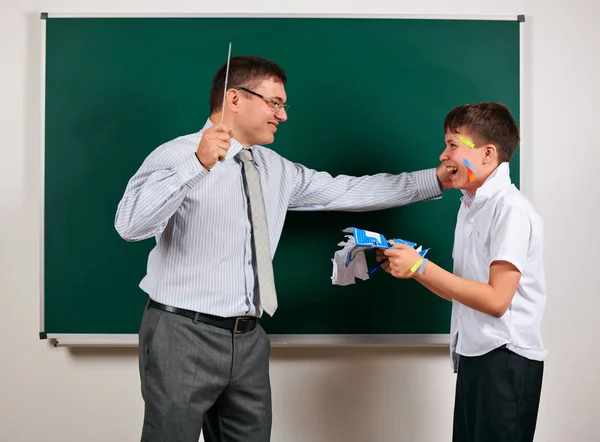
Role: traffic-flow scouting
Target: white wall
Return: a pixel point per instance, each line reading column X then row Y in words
column 354, row 395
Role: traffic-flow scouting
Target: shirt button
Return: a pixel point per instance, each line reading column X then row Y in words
column 249, row 263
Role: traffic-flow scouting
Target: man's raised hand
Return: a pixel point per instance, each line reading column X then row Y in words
column 214, row 145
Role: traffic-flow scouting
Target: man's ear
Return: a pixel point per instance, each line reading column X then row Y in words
column 490, row 153
column 233, row 99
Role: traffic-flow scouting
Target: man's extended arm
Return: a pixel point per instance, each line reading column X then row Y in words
column 320, row 191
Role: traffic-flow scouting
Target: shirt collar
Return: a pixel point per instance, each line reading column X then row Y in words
column 498, row 179
column 234, row 145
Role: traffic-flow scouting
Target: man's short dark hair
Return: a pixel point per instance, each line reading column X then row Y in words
column 487, row 123
column 244, row 71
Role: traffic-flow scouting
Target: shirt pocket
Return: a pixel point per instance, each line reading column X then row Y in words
column 477, row 252
column 481, row 246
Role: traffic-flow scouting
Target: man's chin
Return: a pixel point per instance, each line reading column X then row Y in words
column 268, row 139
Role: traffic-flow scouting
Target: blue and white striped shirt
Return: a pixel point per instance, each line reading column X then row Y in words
column 202, row 260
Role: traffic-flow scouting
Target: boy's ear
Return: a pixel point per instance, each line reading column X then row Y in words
column 490, row 153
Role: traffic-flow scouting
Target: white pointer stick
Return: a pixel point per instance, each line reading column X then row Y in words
column 226, row 77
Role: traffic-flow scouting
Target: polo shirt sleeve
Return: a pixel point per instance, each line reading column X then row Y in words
column 510, row 236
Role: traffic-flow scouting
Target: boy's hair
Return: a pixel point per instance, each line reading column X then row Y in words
column 487, row 123
column 244, row 71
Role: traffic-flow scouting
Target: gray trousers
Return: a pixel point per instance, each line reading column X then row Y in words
column 196, row 376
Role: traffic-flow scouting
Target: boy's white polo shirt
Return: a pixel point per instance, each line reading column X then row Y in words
column 499, row 224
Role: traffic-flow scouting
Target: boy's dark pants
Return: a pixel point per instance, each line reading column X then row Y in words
column 497, row 397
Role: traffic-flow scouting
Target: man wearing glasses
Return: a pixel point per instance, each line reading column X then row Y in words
column 204, row 359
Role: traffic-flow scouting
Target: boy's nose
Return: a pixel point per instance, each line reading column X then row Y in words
column 444, row 156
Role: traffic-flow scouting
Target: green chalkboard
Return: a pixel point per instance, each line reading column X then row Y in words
column 366, row 96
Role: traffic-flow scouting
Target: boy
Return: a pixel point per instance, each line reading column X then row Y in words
column 497, row 290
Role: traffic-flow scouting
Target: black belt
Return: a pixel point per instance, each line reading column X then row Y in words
column 237, row 324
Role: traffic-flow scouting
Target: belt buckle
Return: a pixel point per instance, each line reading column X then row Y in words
column 236, row 323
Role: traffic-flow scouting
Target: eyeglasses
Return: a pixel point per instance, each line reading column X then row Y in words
column 275, row 105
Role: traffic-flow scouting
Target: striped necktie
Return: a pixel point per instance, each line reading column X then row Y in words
column 260, row 234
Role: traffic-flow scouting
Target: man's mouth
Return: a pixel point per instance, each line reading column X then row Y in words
column 273, row 127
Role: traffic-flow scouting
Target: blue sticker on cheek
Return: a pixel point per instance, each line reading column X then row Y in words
column 469, row 165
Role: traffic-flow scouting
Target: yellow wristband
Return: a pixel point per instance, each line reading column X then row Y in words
column 416, row 265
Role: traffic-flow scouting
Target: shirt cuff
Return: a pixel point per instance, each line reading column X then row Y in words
column 191, row 171
column 428, row 185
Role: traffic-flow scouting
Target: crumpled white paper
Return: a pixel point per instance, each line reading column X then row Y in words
column 350, row 262
column 357, row 268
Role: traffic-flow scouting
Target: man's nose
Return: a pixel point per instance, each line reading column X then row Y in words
column 281, row 114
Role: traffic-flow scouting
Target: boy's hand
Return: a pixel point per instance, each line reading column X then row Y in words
column 385, row 265
column 400, row 260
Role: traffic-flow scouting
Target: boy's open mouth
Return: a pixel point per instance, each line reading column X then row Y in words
column 451, row 171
